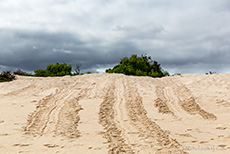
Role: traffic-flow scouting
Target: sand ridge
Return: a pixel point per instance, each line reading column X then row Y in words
column 114, row 113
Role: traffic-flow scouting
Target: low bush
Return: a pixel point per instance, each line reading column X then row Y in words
column 54, row 70
column 40, row 72
column 6, row 76
column 210, row 72
column 139, row 66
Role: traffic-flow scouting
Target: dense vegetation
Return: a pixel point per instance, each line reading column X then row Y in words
column 139, row 66
column 6, row 76
column 55, row 70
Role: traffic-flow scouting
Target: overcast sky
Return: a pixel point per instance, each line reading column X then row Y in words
column 183, row 36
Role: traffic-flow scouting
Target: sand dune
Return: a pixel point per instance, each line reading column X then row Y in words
column 114, row 113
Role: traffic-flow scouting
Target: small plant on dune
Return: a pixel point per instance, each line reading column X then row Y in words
column 210, row 72
column 6, row 76
column 177, row 74
column 78, row 69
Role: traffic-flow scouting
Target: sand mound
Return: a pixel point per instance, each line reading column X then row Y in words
column 113, row 113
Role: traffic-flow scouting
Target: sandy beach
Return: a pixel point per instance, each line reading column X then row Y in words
column 114, row 113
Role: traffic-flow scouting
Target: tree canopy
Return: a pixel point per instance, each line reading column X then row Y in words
column 138, row 66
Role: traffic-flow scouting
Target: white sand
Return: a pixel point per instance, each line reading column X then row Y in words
column 114, row 113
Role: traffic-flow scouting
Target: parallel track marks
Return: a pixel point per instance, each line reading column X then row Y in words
column 113, row 134
column 147, row 128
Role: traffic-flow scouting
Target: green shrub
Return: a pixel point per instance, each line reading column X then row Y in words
column 138, row 66
column 6, row 76
column 40, row 72
column 55, row 70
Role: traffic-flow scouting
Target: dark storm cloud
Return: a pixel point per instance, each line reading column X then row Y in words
column 30, row 50
column 184, row 36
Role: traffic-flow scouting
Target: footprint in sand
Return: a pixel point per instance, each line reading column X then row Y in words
column 21, row 145
column 4, row 134
column 222, row 146
column 189, row 130
column 33, row 101
column 51, row 145
column 221, row 128
column 186, row 135
column 202, row 142
column 96, row 148
column 24, row 152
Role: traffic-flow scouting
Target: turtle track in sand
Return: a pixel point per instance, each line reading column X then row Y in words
column 174, row 94
column 141, row 135
column 113, row 113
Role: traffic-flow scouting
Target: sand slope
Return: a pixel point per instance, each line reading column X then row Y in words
column 114, row 113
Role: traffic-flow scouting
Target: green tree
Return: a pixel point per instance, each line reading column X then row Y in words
column 139, row 66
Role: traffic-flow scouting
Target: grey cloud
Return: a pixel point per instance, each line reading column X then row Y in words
column 140, row 33
column 31, row 50
column 34, row 50
column 184, row 36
